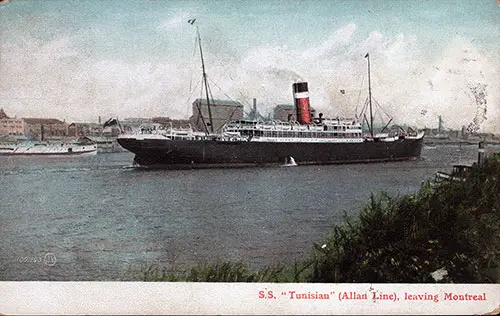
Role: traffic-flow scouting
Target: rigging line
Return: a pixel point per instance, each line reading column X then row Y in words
column 191, row 77
column 342, row 96
column 380, row 117
column 363, row 110
column 244, row 103
column 210, row 93
column 382, row 109
column 365, row 104
column 195, row 45
column 227, row 120
column 376, row 108
column 377, row 113
column 191, row 93
column 220, row 89
column 201, row 90
column 359, row 94
column 245, row 97
column 200, row 114
column 225, row 94
column 379, row 107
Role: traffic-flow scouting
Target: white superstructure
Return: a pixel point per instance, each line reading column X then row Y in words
column 41, row 148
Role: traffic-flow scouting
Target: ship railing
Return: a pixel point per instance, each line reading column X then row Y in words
column 227, row 138
column 228, row 133
column 279, row 126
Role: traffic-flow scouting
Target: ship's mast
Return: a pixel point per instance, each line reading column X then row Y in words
column 205, row 82
column 370, row 95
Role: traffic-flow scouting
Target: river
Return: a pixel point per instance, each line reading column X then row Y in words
column 93, row 218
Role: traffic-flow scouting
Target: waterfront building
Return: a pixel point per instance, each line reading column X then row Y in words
column 135, row 121
column 222, row 111
column 48, row 127
column 85, row 129
column 167, row 121
column 11, row 126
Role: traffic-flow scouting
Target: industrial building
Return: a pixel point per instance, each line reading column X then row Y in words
column 38, row 128
column 222, row 111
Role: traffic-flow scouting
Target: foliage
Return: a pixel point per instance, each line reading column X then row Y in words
column 452, row 226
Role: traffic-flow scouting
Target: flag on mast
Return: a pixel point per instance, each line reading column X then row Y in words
column 367, row 55
column 191, row 21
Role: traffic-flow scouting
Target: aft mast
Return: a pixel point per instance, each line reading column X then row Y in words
column 370, row 95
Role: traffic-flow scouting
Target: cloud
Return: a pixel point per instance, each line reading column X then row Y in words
column 56, row 78
column 176, row 21
column 337, row 40
column 61, row 84
column 454, row 74
column 401, row 72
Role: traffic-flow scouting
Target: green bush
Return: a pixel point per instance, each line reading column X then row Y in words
column 452, row 226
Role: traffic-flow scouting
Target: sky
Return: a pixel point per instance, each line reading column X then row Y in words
column 78, row 60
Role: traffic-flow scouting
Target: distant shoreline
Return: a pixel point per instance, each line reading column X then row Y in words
column 431, row 141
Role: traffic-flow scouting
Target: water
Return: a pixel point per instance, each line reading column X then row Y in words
column 103, row 221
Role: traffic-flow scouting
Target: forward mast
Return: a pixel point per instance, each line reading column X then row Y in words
column 205, row 83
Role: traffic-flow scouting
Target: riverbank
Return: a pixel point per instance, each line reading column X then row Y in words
column 446, row 232
column 447, row 141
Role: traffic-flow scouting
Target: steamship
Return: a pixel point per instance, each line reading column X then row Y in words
column 37, row 148
column 243, row 143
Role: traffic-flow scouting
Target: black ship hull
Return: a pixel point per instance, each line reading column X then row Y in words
column 178, row 154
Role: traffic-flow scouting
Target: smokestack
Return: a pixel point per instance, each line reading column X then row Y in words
column 301, row 99
column 254, row 111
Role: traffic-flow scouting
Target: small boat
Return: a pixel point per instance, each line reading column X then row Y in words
column 290, row 162
column 459, row 173
column 37, row 148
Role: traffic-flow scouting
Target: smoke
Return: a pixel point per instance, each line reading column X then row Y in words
column 57, row 78
column 409, row 84
column 479, row 92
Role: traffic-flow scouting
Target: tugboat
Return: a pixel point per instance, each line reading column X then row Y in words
column 458, row 173
column 259, row 143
